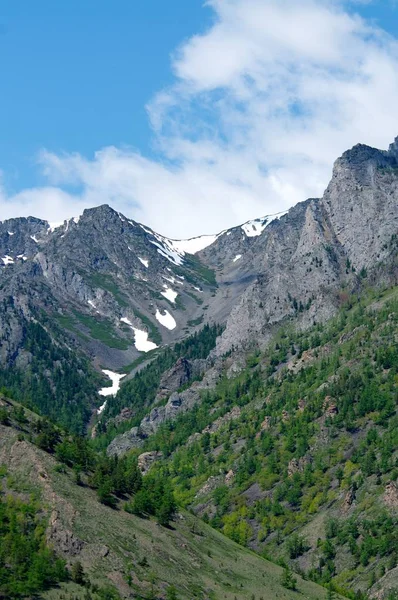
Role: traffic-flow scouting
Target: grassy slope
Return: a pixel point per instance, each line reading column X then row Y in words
column 200, row 562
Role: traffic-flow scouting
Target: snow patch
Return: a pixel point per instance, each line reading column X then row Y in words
column 194, row 245
column 127, row 321
column 172, row 280
column 8, row 260
column 166, row 320
column 34, row 238
column 141, row 341
column 143, row 261
column 169, row 294
column 256, row 227
column 168, row 252
column 91, row 303
column 198, row 289
column 11, row 232
column 237, row 257
column 110, row 391
column 22, row 256
column 174, row 250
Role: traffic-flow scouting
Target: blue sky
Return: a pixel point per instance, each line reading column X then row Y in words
column 76, row 76
column 186, row 116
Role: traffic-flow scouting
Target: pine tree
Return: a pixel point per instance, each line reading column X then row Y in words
column 171, row 593
column 77, row 573
column 288, row 580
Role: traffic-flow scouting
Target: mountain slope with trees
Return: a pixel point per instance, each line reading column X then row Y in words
column 83, row 541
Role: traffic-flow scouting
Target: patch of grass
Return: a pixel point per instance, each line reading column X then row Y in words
column 66, row 321
column 195, row 322
column 102, row 330
column 206, row 274
column 198, row 300
column 107, row 283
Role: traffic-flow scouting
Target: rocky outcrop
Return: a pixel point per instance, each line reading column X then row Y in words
column 229, row 477
column 62, row 539
column 177, row 403
column 390, row 496
column 218, row 423
column 330, row 407
column 265, row 425
column 175, row 378
column 211, row 484
column 125, row 442
column 349, row 500
column 298, row 465
column 146, row 460
column 300, row 260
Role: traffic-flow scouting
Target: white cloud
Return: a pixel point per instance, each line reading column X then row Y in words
column 262, row 104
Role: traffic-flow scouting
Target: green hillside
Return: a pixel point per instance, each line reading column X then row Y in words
column 298, row 456
column 115, row 553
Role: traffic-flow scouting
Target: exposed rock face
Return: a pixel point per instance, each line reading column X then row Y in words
column 104, row 267
column 298, row 465
column 179, row 375
column 62, row 539
column 265, row 425
column 229, row 477
column 301, row 405
column 304, row 254
column 176, row 404
column 349, row 500
column 330, row 407
column 211, row 484
column 146, row 460
column 391, row 495
column 125, row 415
column 123, row 443
column 218, row 423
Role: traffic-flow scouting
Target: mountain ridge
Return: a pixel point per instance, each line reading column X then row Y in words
column 118, row 289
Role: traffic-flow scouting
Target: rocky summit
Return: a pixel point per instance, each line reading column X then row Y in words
column 254, row 371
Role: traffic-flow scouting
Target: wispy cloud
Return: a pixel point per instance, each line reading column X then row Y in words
column 262, row 104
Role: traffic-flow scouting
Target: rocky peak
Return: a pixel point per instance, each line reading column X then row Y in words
column 393, row 149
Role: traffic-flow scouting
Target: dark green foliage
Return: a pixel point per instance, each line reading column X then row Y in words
column 296, row 546
column 154, row 498
column 288, row 580
column 27, row 565
column 104, row 493
column 115, row 477
column 171, row 593
column 58, row 383
column 77, row 573
column 4, row 419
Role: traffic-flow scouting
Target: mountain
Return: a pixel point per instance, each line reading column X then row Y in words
column 254, row 370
